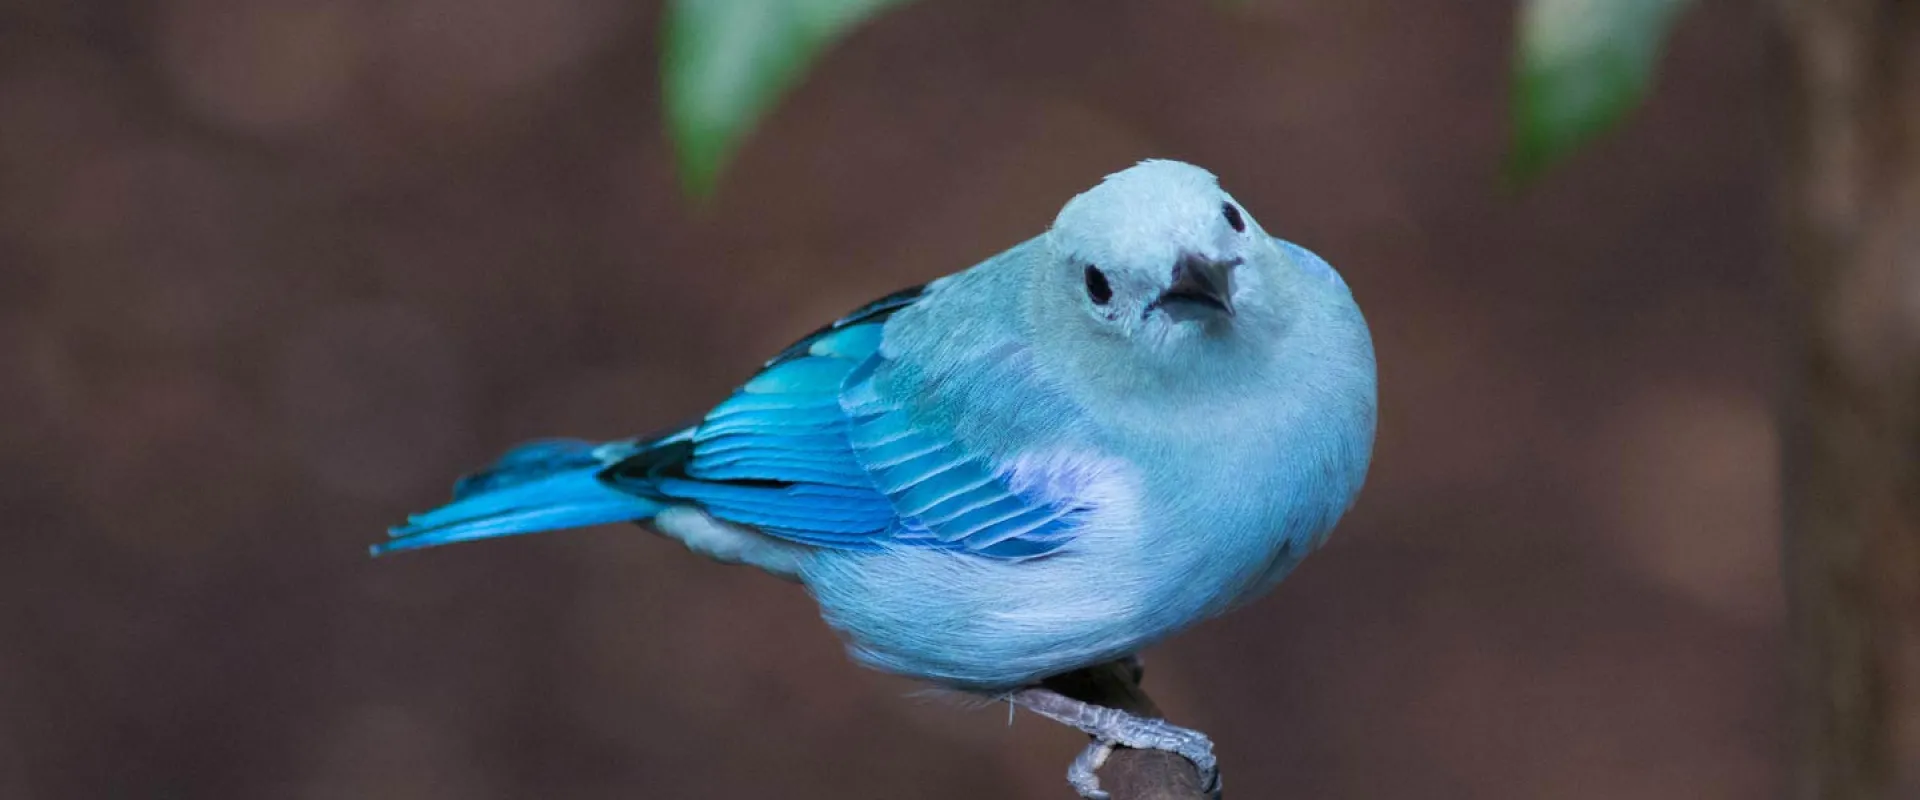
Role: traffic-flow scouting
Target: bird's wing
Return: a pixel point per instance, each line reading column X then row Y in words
column 814, row 450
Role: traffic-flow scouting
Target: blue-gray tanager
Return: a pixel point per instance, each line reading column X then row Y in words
column 1138, row 420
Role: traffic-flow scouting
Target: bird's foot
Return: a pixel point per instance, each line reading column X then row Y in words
column 1110, row 728
column 1083, row 773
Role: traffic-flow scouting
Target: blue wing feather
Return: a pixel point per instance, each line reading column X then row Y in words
column 807, row 375
column 747, row 404
column 812, row 450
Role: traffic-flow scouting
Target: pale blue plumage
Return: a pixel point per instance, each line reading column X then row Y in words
column 1089, row 442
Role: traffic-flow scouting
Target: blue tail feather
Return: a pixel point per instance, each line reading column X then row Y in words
column 529, row 461
column 539, row 486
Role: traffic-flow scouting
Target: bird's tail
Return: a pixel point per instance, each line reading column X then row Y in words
column 539, row 486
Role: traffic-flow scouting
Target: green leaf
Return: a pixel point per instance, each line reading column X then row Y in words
column 728, row 61
column 1583, row 64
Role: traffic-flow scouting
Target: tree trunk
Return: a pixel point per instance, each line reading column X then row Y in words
column 1851, row 144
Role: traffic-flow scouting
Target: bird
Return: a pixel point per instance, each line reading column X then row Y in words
column 1142, row 418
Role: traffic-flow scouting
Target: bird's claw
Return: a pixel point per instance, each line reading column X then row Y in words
column 1146, row 733
column 1112, row 728
column 1083, row 772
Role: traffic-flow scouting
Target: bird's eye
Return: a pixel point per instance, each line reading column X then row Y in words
column 1097, row 288
column 1233, row 217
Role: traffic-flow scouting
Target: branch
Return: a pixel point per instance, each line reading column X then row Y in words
column 1130, row 774
column 1851, row 126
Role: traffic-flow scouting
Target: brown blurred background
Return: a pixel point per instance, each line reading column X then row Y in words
column 273, row 272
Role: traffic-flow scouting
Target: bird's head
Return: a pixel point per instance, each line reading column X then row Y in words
column 1157, row 274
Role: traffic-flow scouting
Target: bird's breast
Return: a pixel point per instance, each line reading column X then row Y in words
column 1236, row 513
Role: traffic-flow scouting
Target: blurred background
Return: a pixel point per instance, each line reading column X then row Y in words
column 273, row 272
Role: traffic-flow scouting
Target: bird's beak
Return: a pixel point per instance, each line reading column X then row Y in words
column 1201, row 286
